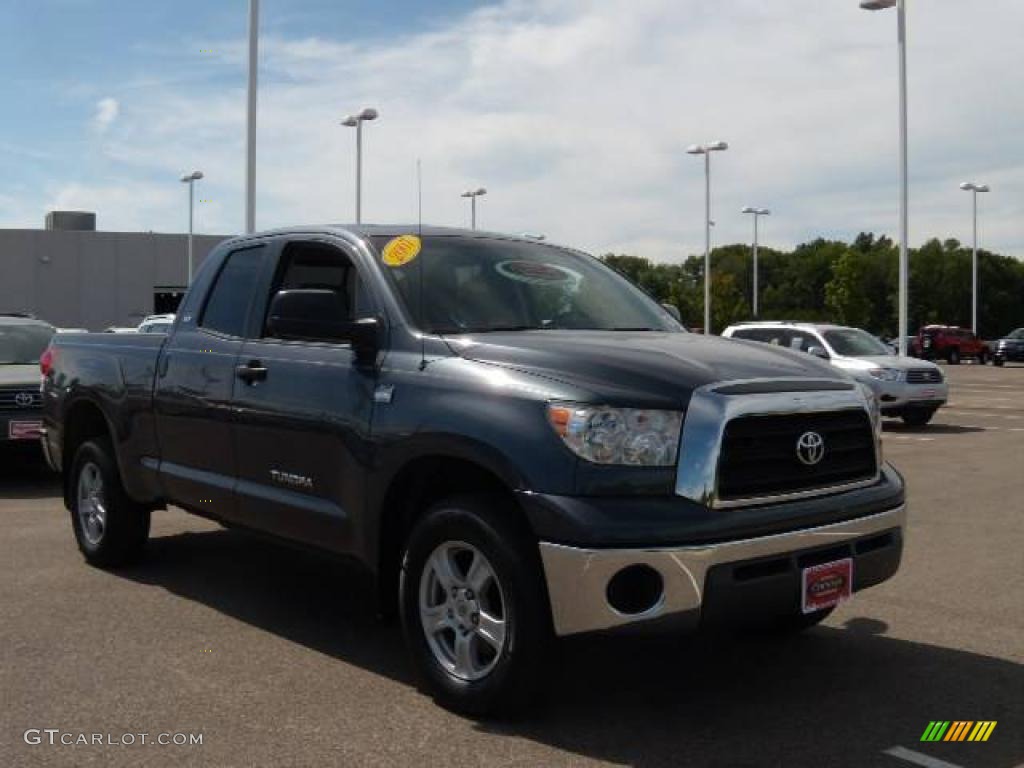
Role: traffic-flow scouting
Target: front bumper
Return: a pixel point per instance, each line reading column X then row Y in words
column 1010, row 353
column 703, row 581
column 895, row 396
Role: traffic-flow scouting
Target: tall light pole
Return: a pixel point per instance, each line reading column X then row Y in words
column 250, row 119
column 356, row 121
column 706, row 150
column 974, row 189
column 757, row 212
column 901, row 40
column 191, row 179
column 473, row 194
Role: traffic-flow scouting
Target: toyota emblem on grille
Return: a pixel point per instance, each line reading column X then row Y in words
column 24, row 399
column 810, row 448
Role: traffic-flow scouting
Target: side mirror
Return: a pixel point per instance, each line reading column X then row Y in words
column 673, row 310
column 313, row 314
column 818, row 352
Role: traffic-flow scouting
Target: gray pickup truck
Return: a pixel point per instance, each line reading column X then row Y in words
column 515, row 441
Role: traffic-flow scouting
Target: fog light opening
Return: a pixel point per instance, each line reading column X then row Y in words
column 635, row 589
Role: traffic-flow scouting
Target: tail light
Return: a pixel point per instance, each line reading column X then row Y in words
column 46, row 361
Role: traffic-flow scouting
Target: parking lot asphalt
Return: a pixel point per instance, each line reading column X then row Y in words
column 275, row 656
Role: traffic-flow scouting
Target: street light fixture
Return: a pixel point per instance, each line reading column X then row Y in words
column 190, row 179
column 706, row 150
column 901, row 39
column 974, row 189
column 473, row 194
column 758, row 213
column 356, row 121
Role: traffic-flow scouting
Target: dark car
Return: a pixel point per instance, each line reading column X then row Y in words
column 950, row 343
column 22, row 341
column 515, row 441
column 1010, row 348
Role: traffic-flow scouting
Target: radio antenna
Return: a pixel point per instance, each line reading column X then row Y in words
column 419, row 233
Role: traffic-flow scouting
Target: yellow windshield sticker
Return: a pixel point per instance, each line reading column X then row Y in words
column 401, row 250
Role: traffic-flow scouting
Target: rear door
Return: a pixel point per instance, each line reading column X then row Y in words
column 195, row 381
column 302, row 426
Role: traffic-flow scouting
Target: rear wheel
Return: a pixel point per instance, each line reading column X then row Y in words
column 474, row 608
column 998, row 362
column 983, row 357
column 917, row 418
column 953, row 356
column 109, row 527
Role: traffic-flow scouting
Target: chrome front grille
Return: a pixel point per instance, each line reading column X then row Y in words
column 924, row 376
column 20, row 399
column 760, row 456
column 741, row 441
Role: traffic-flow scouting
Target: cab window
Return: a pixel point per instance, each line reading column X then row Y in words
column 227, row 306
column 313, row 265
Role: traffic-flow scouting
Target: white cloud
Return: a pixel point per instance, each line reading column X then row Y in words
column 575, row 116
column 106, row 113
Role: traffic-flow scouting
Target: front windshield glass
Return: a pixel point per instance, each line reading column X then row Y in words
column 474, row 285
column 23, row 344
column 1018, row 334
column 852, row 342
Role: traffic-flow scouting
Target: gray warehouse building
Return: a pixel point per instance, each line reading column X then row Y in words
column 75, row 277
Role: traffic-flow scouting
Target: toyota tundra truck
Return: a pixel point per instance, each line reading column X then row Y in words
column 516, row 442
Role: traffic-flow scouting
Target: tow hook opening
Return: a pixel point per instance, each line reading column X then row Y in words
column 635, row 589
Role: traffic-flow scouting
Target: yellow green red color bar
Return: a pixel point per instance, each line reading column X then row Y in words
column 958, row 730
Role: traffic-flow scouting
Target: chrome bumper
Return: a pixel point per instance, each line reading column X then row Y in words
column 577, row 579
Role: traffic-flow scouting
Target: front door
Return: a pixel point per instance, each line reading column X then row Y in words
column 195, row 382
column 302, row 426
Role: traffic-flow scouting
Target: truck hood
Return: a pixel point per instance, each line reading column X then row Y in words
column 625, row 366
column 20, row 375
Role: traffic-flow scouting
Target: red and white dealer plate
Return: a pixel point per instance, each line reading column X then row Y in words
column 825, row 585
column 24, row 430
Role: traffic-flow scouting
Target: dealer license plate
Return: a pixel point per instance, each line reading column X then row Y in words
column 823, row 586
column 24, row 430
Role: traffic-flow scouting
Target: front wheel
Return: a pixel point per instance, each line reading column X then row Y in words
column 109, row 527
column 997, row 362
column 953, row 357
column 983, row 357
column 474, row 608
column 917, row 418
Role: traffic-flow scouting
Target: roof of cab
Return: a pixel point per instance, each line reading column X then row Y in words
column 366, row 231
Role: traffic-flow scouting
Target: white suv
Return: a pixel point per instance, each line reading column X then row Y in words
column 906, row 387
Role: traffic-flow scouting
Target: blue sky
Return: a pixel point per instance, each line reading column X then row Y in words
column 573, row 113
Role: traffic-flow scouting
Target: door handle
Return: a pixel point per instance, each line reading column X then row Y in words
column 251, row 372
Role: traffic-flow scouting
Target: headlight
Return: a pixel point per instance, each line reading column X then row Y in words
column 628, row 436
column 885, row 374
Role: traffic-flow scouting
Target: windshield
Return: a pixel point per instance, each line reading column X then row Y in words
column 1018, row 334
column 484, row 284
column 852, row 342
column 23, row 344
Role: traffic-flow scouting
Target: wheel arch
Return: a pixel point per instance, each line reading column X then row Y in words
column 420, row 481
column 84, row 420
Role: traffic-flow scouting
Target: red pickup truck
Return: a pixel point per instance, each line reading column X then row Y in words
column 950, row 343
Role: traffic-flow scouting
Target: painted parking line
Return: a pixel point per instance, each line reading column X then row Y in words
column 918, row 758
column 909, row 438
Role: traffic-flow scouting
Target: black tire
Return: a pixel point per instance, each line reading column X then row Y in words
column 917, row 418
column 493, row 529
column 121, row 539
column 998, row 362
column 953, row 356
column 983, row 358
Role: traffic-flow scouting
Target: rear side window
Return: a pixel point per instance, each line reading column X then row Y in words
column 228, row 304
